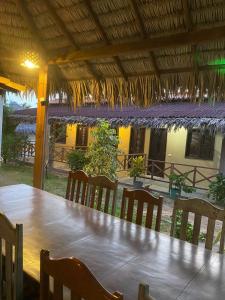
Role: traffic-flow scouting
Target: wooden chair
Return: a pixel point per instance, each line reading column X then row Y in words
column 73, row 274
column 11, row 260
column 142, row 197
column 143, row 292
column 199, row 208
column 77, row 186
column 100, row 185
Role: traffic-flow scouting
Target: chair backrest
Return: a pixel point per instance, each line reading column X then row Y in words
column 142, row 201
column 143, row 292
column 73, row 274
column 11, row 269
column 77, row 186
column 103, row 193
column 199, row 208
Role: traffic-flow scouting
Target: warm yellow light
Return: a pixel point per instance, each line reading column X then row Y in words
column 29, row 64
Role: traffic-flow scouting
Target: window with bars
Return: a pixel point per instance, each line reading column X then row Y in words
column 200, row 144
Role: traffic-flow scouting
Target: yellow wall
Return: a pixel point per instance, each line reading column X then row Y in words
column 176, row 145
column 175, row 152
column 71, row 131
column 147, row 140
column 175, row 149
column 124, row 139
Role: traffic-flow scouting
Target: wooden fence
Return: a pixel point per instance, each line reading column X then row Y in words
column 196, row 176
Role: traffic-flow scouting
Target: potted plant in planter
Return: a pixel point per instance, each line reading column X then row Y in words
column 217, row 189
column 177, row 185
column 137, row 168
column 76, row 160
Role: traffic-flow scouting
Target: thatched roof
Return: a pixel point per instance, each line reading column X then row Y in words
column 172, row 115
column 119, row 49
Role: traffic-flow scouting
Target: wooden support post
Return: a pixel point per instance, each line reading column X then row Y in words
column 1, row 121
column 41, row 129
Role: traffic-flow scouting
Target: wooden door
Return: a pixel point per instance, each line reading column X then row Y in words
column 157, row 151
column 137, row 140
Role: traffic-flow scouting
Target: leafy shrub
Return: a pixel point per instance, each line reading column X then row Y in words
column 102, row 153
column 12, row 143
column 190, row 228
column 76, row 160
column 137, row 166
column 179, row 182
column 12, row 146
column 217, row 189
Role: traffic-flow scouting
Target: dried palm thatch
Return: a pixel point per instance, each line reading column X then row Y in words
column 151, row 74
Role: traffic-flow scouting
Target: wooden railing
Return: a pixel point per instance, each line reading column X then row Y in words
column 28, row 150
column 196, row 176
column 125, row 160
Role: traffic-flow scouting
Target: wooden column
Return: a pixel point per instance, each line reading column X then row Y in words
column 41, row 129
column 1, row 120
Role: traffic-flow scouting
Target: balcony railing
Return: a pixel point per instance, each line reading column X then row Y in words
column 196, row 176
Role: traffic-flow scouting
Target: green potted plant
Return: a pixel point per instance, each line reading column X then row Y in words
column 217, row 189
column 137, row 168
column 177, row 185
column 76, row 160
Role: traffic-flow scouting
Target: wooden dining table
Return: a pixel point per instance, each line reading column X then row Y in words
column 119, row 253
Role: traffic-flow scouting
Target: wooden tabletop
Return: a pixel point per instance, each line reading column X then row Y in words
column 119, row 253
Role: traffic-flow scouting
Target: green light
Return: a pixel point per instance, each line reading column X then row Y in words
column 219, row 64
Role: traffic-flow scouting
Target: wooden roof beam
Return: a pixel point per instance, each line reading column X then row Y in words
column 142, row 30
column 12, row 85
column 58, row 21
column 170, row 71
column 170, row 41
column 189, row 27
column 104, row 36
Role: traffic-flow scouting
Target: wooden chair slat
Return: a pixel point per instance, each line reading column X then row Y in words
column 8, row 270
column 99, row 199
column 58, row 290
column 78, row 191
column 107, row 198
column 84, row 193
column 72, row 190
column 75, row 180
column 11, row 281
column 159, row 214
column 68, row 186
column 222, row 239
column 140, row 208
column 73, row 274
column 1, row 268
column 130, row 209
column 149, row 215
column 142, row 197
column 196, row 229
column 18, row 263
column 92, row 193
column 209, row 234
column 200, row 208
column 143, row 292
column 183, row 229
column 100, row 186
column 74, row 296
